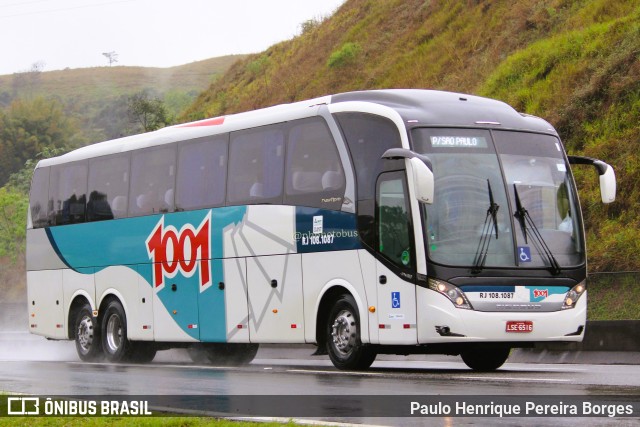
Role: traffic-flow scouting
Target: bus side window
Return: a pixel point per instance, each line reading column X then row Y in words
column 108, row 188
column 314, row 173
column 68, row 193
column 202, row 173
column 152, row 181
column 256, row 166
column 368, row 136
column 38, row 197
column 393, row 220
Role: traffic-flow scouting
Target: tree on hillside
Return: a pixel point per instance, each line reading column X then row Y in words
column 147, row 111
column 20, row 181
column 111, row 57
column 111, row 119
column 27, row 128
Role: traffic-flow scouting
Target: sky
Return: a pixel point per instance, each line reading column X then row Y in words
column 59, row 34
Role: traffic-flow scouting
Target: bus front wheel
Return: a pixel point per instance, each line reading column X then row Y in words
column 87, row 335
column 345, row 349
column 485, row 358
column 115, row 343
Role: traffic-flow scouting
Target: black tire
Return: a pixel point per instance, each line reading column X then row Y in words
column 485, row 358
column 223, row 354
column 87, row 335
column 115, row 344
column 344, row 346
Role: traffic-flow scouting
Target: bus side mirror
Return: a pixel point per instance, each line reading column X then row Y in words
column 608, row 185
column 420, row 172
column 607, row 176
column 423, row 181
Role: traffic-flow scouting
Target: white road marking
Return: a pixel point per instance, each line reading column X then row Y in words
column 551, row 380
column 310, row 371
column 476, row 378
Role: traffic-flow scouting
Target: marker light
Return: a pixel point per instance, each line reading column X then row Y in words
column 453, row 293
column 573, row 296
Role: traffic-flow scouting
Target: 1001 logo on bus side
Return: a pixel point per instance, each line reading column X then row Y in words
column 183, row 251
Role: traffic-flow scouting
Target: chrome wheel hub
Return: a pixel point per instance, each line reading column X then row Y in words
column 84, row 334
column 114, row 334
column 344, row 332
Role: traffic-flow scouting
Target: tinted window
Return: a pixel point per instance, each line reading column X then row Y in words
column 368, row 137
column 314, row 173
column 68, row 193
column 256, row 166
column 108, row 188
column 394, row 232
column 152, row 181
column 202, row 170
column 38, row 197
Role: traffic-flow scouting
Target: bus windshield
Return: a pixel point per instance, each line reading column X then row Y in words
column 502, row 199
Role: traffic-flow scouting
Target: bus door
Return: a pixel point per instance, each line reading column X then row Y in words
column 395, row 264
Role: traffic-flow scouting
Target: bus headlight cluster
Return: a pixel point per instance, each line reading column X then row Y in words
column 455, row 295
column 573, row 295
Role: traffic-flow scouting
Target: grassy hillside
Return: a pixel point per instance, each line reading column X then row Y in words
column 575, row 63
column 108, row 82
column 97, row 98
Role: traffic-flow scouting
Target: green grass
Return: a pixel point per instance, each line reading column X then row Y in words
column 613, row 296
column 173, row 421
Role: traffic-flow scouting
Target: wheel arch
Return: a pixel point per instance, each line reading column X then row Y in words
column 78, row 300
column 329, row 295
column 111, row 295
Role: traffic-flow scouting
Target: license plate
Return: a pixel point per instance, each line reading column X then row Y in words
column 495, row 295
column 522, row 326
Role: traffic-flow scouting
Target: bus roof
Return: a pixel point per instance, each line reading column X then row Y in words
column 417, row 107
column 420, row 107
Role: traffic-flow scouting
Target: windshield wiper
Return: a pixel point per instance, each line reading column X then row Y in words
column 525, row 219
column 490, row 224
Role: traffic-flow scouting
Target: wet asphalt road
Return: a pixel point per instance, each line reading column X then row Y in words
column 34, row 366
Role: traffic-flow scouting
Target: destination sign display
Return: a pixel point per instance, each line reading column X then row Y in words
column 458, row 141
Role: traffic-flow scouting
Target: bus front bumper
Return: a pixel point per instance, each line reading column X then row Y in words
column 439, row 321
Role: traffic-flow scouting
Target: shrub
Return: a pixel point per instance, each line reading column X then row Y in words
column 346, row 55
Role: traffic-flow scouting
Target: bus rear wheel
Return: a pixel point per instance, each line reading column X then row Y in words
column 223, row 354
column 344, row 346
column 485, row 358
column 87, row 335
column 115, row 343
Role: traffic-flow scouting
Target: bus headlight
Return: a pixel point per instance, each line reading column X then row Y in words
column 573, row 296
column 455, row 295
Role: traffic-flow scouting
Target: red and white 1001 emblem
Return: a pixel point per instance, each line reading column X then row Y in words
column 183, row 251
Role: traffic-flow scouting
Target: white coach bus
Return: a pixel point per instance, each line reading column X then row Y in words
column 374, row 222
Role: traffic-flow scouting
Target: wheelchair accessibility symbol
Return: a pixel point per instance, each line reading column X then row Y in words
column 524, row 253
column 395, row 299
